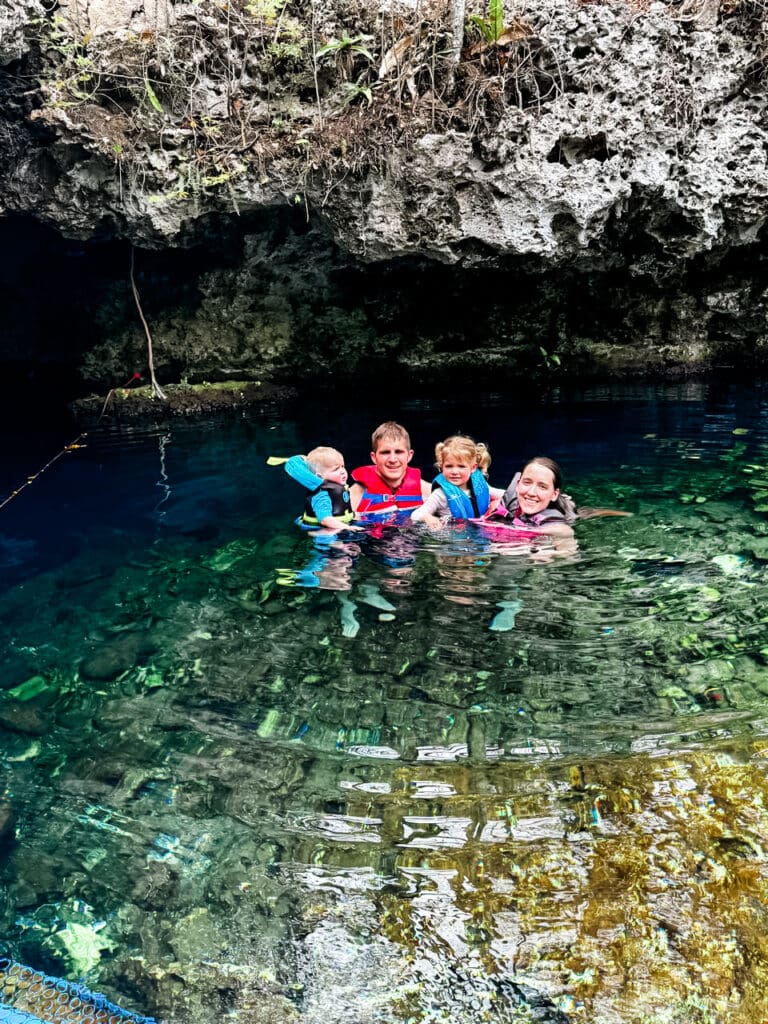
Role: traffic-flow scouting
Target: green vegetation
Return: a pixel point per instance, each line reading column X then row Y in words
column 491, row 27
column 264, row 94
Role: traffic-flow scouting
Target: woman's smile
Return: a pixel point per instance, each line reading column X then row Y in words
column 536, row 488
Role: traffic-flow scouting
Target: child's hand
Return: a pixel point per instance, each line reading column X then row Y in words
column 433, row 522
column 332, row 523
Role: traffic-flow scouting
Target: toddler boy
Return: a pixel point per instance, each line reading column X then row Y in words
column 328, row 504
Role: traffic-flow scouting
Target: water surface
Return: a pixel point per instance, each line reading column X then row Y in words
column 216, row 802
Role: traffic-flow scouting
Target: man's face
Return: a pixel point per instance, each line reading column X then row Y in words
column 391, row 460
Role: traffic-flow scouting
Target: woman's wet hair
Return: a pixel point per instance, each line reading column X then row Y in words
column 551, row 465
column 460, row 446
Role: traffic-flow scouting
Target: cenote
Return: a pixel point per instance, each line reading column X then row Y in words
column 218, row 806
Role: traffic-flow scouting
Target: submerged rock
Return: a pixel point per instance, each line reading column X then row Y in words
column 207, row 990
column 116, row 656
column 30, row 721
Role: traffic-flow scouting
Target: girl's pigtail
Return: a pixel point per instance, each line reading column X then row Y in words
column 482, row 457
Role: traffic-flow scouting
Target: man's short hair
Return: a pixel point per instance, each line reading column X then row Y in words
column 390, row 431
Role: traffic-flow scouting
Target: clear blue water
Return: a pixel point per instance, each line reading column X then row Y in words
column 210, row 782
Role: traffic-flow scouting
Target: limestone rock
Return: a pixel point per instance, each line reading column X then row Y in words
column 14, row 17
column 605, row 147
column 614, row 118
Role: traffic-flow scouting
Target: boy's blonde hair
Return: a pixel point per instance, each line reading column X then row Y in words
column 459, row 446
column 389, row 431
column 323, row 457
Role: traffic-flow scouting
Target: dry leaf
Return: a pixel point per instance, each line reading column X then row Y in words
column 393, row 57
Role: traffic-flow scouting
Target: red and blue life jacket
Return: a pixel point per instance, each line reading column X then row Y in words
column 378, row 496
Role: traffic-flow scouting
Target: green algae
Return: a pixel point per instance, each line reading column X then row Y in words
column 29, row 689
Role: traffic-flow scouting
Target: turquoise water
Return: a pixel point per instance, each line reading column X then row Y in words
column 217, row 803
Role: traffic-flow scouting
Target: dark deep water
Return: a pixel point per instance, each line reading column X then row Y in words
column 220, row 801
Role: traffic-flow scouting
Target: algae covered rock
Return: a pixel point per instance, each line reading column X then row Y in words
column 118, row 655
column 197, row 991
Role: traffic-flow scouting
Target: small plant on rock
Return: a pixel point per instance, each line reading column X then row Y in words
column 492, row 27
column 345, row 50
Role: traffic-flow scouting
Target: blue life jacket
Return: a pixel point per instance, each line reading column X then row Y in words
column 462, row 505
column 337, row 500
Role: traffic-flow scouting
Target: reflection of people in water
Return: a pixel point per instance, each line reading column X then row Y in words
column 327, row 511
column 534, row 506
column 329, row 566
column 531, row 518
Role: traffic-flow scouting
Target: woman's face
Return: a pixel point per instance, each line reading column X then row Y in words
column 536, row 488
column 456, row 470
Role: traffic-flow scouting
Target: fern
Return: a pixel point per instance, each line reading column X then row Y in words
column 496, row 18
column 492, row 27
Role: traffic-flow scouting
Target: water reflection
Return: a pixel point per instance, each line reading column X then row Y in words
column 218, row 803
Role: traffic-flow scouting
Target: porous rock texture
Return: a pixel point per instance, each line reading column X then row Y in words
column 14, row 17
column 615, row 148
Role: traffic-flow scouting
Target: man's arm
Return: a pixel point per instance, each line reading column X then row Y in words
column 356, row 492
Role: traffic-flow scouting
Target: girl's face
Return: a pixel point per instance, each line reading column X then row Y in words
column 536, row 488
column 457, row 470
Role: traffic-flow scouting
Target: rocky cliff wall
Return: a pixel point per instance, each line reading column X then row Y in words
column 592, row 177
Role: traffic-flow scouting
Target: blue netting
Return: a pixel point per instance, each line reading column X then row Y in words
column 30, row 997
column 9, row 1016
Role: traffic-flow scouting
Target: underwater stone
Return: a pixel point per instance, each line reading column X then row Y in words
column 717, row 511
column 197, row 935
column 35, row 877
column 206, row 990
column 158, row 887
column 23, row 719
column 730, row 564
column 82, row 945
column 117, row 656
column 701, row 676
column 749, row 671
column 577, row 694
